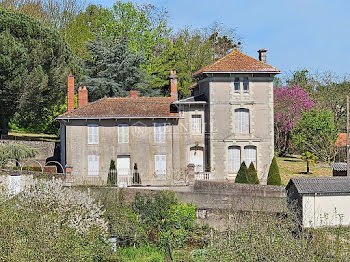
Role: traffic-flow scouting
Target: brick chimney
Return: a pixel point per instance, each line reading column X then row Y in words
column 70, row 93
column 262, row 55
column 173, row 84
column 134, row 94
column 82, row 96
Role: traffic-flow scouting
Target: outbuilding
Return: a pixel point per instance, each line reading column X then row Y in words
column 339, row 169
column 320, row 201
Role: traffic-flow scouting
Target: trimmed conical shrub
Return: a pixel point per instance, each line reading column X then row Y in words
column 252, row 175
column 136, row 176
column 274, row 177
column 112, row 174
column 242, row 175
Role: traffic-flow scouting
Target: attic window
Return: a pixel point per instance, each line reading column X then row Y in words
column 237, row 85
column 245, row 85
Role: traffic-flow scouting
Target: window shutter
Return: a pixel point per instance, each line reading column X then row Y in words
column 93, row 134
column 245, row 121
column 250, row 155
column 160, row 164
column 234, row 159
column 159, row 132
column 123, row 133
column 93, row 165
column 242, row 125
column 196, row 123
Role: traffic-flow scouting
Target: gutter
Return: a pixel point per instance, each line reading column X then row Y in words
column 116, row 117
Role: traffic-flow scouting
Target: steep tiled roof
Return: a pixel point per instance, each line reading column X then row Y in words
column 341, row 140
column 321, row 185
column 236, row 61
column 124, row 107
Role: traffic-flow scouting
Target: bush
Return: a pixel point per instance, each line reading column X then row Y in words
column 274, row 177
column 112, row 175
column 47, row 220
column 252, row 175
column 242, row 175
column 136, row 176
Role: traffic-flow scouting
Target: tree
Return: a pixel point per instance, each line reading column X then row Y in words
column 310, row 159
column 289, row 103
column 114, row 70
column 242, row 175
column 316, row 133
column 16, row 151
column 273, row 177
column 33, row 67
column 112, row 175
column 252, row 176
column 136, row 179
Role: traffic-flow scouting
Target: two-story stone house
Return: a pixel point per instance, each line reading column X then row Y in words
column 227, row 120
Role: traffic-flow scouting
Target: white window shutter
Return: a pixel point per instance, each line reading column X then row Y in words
column 242, row 123
column 123, row 133
column 93, row 165
column 245, row 121
column 93, row 136
column 160, row 164
column 250, row 155
column 196, row 124
column 159, row 132
column 234, row 159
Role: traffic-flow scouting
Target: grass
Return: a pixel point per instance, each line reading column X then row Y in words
column 294, row 167
column 146, row 253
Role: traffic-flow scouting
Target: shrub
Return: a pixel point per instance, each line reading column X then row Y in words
column 274, row 177
column 252, row 175
column 242, row 175
column 47, row 220
column 112, row 175
column 136, row 176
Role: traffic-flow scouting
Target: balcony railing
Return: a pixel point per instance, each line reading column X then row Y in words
column 203, row 176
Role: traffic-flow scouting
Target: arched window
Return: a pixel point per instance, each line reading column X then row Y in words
column 234, row 159
column 250, row 155
column 242, row 125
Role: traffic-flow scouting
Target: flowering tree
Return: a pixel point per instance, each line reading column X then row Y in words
column 289, row 103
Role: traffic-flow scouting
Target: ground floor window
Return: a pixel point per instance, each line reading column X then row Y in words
column 160, row 164
column 234, row 159
column 250, row 155
column 196, row 158
column 93, row 165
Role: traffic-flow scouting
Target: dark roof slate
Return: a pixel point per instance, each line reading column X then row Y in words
column 339, row 166
column 321, row 185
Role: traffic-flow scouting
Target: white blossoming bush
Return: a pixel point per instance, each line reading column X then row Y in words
column 50, row 222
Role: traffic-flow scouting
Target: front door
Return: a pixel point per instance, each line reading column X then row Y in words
column 196, row 158
column 123, row 170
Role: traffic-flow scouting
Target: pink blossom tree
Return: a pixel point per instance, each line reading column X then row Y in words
column 289, row 103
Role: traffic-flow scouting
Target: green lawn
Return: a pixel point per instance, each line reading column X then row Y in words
column 294, row 167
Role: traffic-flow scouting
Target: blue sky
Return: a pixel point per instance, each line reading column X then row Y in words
column 312, row 34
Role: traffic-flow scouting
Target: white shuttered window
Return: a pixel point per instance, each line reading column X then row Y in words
column 93, row 165
column 159, row 132
column 160, row 164
column 92, row 134
column 234, row 159
column 123, row 133
column 242, row 125
column 196, row 124
column 250, row 155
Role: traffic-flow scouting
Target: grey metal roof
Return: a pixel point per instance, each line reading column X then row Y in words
column 339, row 166
column 200, row 99
column 321, row 185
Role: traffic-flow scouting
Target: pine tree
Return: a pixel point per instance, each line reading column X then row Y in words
column 274, row 177
column 242, row 175
column 112, row 175
column 252, row 175
column 114, row 70
column 136, row 179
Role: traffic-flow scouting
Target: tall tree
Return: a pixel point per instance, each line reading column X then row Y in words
column 34, row 62
column 289, row 103
column 114, row 70
column 316, row 133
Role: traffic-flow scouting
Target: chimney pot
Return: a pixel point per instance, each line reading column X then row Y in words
column 134, row 94
column 70, row 93
column 262, row 55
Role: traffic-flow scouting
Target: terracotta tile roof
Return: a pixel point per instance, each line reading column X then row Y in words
column 341, row 140
column 124, row 107
column 237, row 61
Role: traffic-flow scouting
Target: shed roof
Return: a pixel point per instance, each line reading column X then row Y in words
column 236, row 61
column 321, row 185
column 341, row 166
column 124, row 107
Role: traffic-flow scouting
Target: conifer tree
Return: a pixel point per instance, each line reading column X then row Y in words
column 274, row 177
column 242, row 175
column 252, row 175
column 112, row 175
column 136, row 176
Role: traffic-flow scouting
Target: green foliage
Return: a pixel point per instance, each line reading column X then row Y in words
column 166, row 221
column 33, row 67
column 112, row 175
column 136, row 179
column 273, row 177
column 114, row 70
column 144, row 253
column 242, row 175
column 252, row 176
column 316, row 133
column 16, row 151
column 310, row 159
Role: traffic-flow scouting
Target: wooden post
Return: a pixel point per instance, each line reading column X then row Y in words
column 347, row 137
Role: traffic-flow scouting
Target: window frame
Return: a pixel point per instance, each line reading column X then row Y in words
column 236, row 82
column 159, row 138
column 239, row 127
column 158, row 171
column 245, row 83
column 230, row 163
column 93, row 172
column 255, row 157
column 199, row 129
column 121, row 133
column 93, row 139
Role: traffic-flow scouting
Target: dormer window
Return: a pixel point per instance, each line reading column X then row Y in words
column 237, row 86
column 245, row 85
